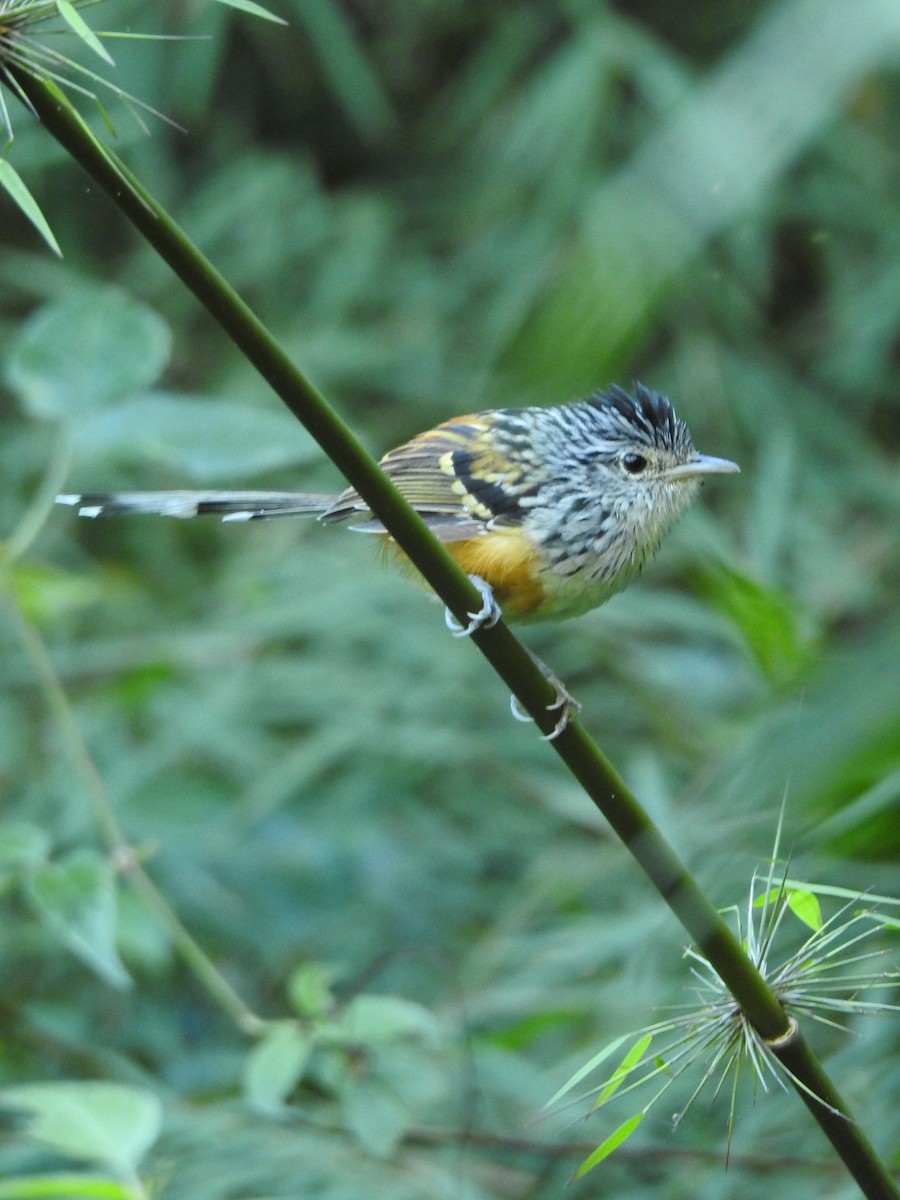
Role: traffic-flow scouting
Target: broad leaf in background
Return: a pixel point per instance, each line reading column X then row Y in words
column 76, row 897
column 92, row 347
column 45, row 594
column 773, row 627
column 375, row 1020
column 208, row 440
column 375, row 1114
column 102, row 1123
column 275, row 1066
column 22, row 846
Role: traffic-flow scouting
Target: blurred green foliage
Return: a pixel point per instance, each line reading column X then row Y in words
column 440, row 207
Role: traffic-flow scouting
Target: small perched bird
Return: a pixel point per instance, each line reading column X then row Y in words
column 550, row 510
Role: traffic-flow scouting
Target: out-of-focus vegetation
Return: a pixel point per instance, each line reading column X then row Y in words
column 440, row 207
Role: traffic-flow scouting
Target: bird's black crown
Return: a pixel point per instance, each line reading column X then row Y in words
column 650, row 412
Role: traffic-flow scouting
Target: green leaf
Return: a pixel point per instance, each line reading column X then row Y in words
column 93, row 346
column 206, row 439
column 376, row 1020
column 47, row 593
column 355, row 81
column 375, row 1115
column 22, row 845
column 309, row 990
column 803, row 904
column 800, row 900
column 842, row 893
column 625, row 1067
column 775, row 630
column 615, row 1139
column 104, row 1123
column 76, row 898
column 276, row 1065
column 79, row 26
column 255, row 10
column 13, row 185
column 67, row 1187
column 588, row 1067
column 772, row 896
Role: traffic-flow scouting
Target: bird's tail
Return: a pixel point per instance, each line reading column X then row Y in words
column 231, row 506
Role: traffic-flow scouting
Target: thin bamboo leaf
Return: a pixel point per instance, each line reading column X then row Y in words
column 827, row 889
column 66, row 1187
column 255, row 10
column 80, row 27
column 588, row 1067
column 625, row 1067
column 12, row 183
column 615, row 1139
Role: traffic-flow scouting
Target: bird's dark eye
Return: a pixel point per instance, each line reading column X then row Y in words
column 634, row 463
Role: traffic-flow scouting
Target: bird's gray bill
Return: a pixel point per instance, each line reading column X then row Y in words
column 703, row 464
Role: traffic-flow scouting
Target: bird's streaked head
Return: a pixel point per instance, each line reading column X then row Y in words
column 620, row 468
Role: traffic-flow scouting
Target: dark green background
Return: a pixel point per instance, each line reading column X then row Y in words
column 440, row 207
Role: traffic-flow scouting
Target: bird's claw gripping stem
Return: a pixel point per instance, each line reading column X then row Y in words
column 487, row 615
column 565, row 701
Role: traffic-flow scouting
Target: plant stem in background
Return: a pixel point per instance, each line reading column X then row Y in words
column 123, row 855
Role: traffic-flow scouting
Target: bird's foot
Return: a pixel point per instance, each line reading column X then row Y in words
column 487, row 615
column 569, row 707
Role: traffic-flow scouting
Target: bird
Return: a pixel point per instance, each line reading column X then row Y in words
column 549, row 510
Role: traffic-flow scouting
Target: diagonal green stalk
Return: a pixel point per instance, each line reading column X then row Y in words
column 505, row 653
column 122, row 854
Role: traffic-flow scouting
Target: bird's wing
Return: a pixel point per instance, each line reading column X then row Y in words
column 455, row 477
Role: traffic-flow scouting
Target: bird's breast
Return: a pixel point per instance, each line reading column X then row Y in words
column 512, row 565
column 529, row 585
